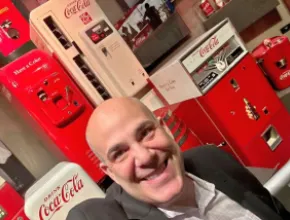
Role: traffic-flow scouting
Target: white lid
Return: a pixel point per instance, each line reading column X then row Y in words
column 57, row 192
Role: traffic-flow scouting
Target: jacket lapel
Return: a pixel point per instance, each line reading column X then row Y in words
column 133, row 208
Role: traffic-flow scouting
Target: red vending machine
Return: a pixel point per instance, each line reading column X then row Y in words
column 39, row 86
column 14, row 32
column 11, row 203
column 273, row 56
column 218, row 83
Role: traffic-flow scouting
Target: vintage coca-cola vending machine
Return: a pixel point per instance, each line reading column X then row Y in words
column 217, row 83
column 36, row 84
column 11, row 203
column 80, row 35
column 57, row 192
column 273, row 57
column 14, row 32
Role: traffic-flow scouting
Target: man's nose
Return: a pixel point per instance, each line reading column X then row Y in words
column 144, row 157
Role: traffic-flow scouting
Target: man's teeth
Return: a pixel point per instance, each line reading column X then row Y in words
column 157, row 173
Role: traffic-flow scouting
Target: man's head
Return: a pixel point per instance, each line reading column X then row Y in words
column 136, row 150
column 147, row 6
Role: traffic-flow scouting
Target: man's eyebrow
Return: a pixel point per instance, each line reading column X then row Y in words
column 113, row 149
column 143, row 125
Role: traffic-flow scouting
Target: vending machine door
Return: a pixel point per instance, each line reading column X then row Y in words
column 108, row 48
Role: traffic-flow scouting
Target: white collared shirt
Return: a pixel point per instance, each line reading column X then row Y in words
column 211, row 205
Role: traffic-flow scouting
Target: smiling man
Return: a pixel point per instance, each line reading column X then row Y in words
column 154, row 181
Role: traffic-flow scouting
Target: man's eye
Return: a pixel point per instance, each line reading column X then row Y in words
column 118, row 154
column 146, row 132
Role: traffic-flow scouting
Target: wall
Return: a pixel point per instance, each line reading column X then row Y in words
column 131, row 3
column 112, row 9
column 275, row 29
column 188, row 10
column 23, row 142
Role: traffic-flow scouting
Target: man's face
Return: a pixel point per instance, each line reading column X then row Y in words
column 141, row 156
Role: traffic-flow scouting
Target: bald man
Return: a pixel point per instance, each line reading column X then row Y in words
column 154, row 181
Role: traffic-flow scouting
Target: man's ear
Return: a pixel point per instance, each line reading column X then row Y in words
column 104, row 167
column 165, row 127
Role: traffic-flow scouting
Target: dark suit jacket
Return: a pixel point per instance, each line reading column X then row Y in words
column 208, row 163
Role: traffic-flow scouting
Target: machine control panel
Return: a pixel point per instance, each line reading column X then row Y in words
column 3, row 213
column 217, row 65
column 57, row 100
column 99, row 32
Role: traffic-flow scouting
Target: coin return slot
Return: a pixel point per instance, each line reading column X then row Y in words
column 282, row 64
column 266, row 111
column 234, row 84
column 60, row 36
column 60, row 102
column 80, row 62
column 272, row 138
column 13, row 33
column 42, row 95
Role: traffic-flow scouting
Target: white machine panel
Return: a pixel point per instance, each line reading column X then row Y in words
column 203, row 63
column 57, row 192
column 89, row 47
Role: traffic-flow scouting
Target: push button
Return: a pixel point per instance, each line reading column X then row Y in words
column 95, row 37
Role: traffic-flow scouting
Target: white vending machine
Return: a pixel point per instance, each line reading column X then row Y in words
column 82, row 38
column 58, row 191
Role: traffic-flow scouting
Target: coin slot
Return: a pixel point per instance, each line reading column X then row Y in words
column 272, row 138
column 234, row 84
column 76, row 103
column 265, row 110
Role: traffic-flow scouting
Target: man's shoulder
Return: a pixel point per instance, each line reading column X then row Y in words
column 203, row 153
column 211, row 157
column 98, row 208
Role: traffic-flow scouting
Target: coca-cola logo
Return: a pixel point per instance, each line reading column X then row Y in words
column 140, row 40
column 59, row 197
column 285, row 75
column 212, row 43
column 75, row 7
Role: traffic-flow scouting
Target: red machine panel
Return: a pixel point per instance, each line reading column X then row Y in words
column 228, row 104
column 43, row 88
column 273, row 56
column 183, row 135
column 11, row 203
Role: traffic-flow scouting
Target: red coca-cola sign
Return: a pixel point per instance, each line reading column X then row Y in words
column 59, row 197
column 206, row 8
column 75, row 7
column 212, row 43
